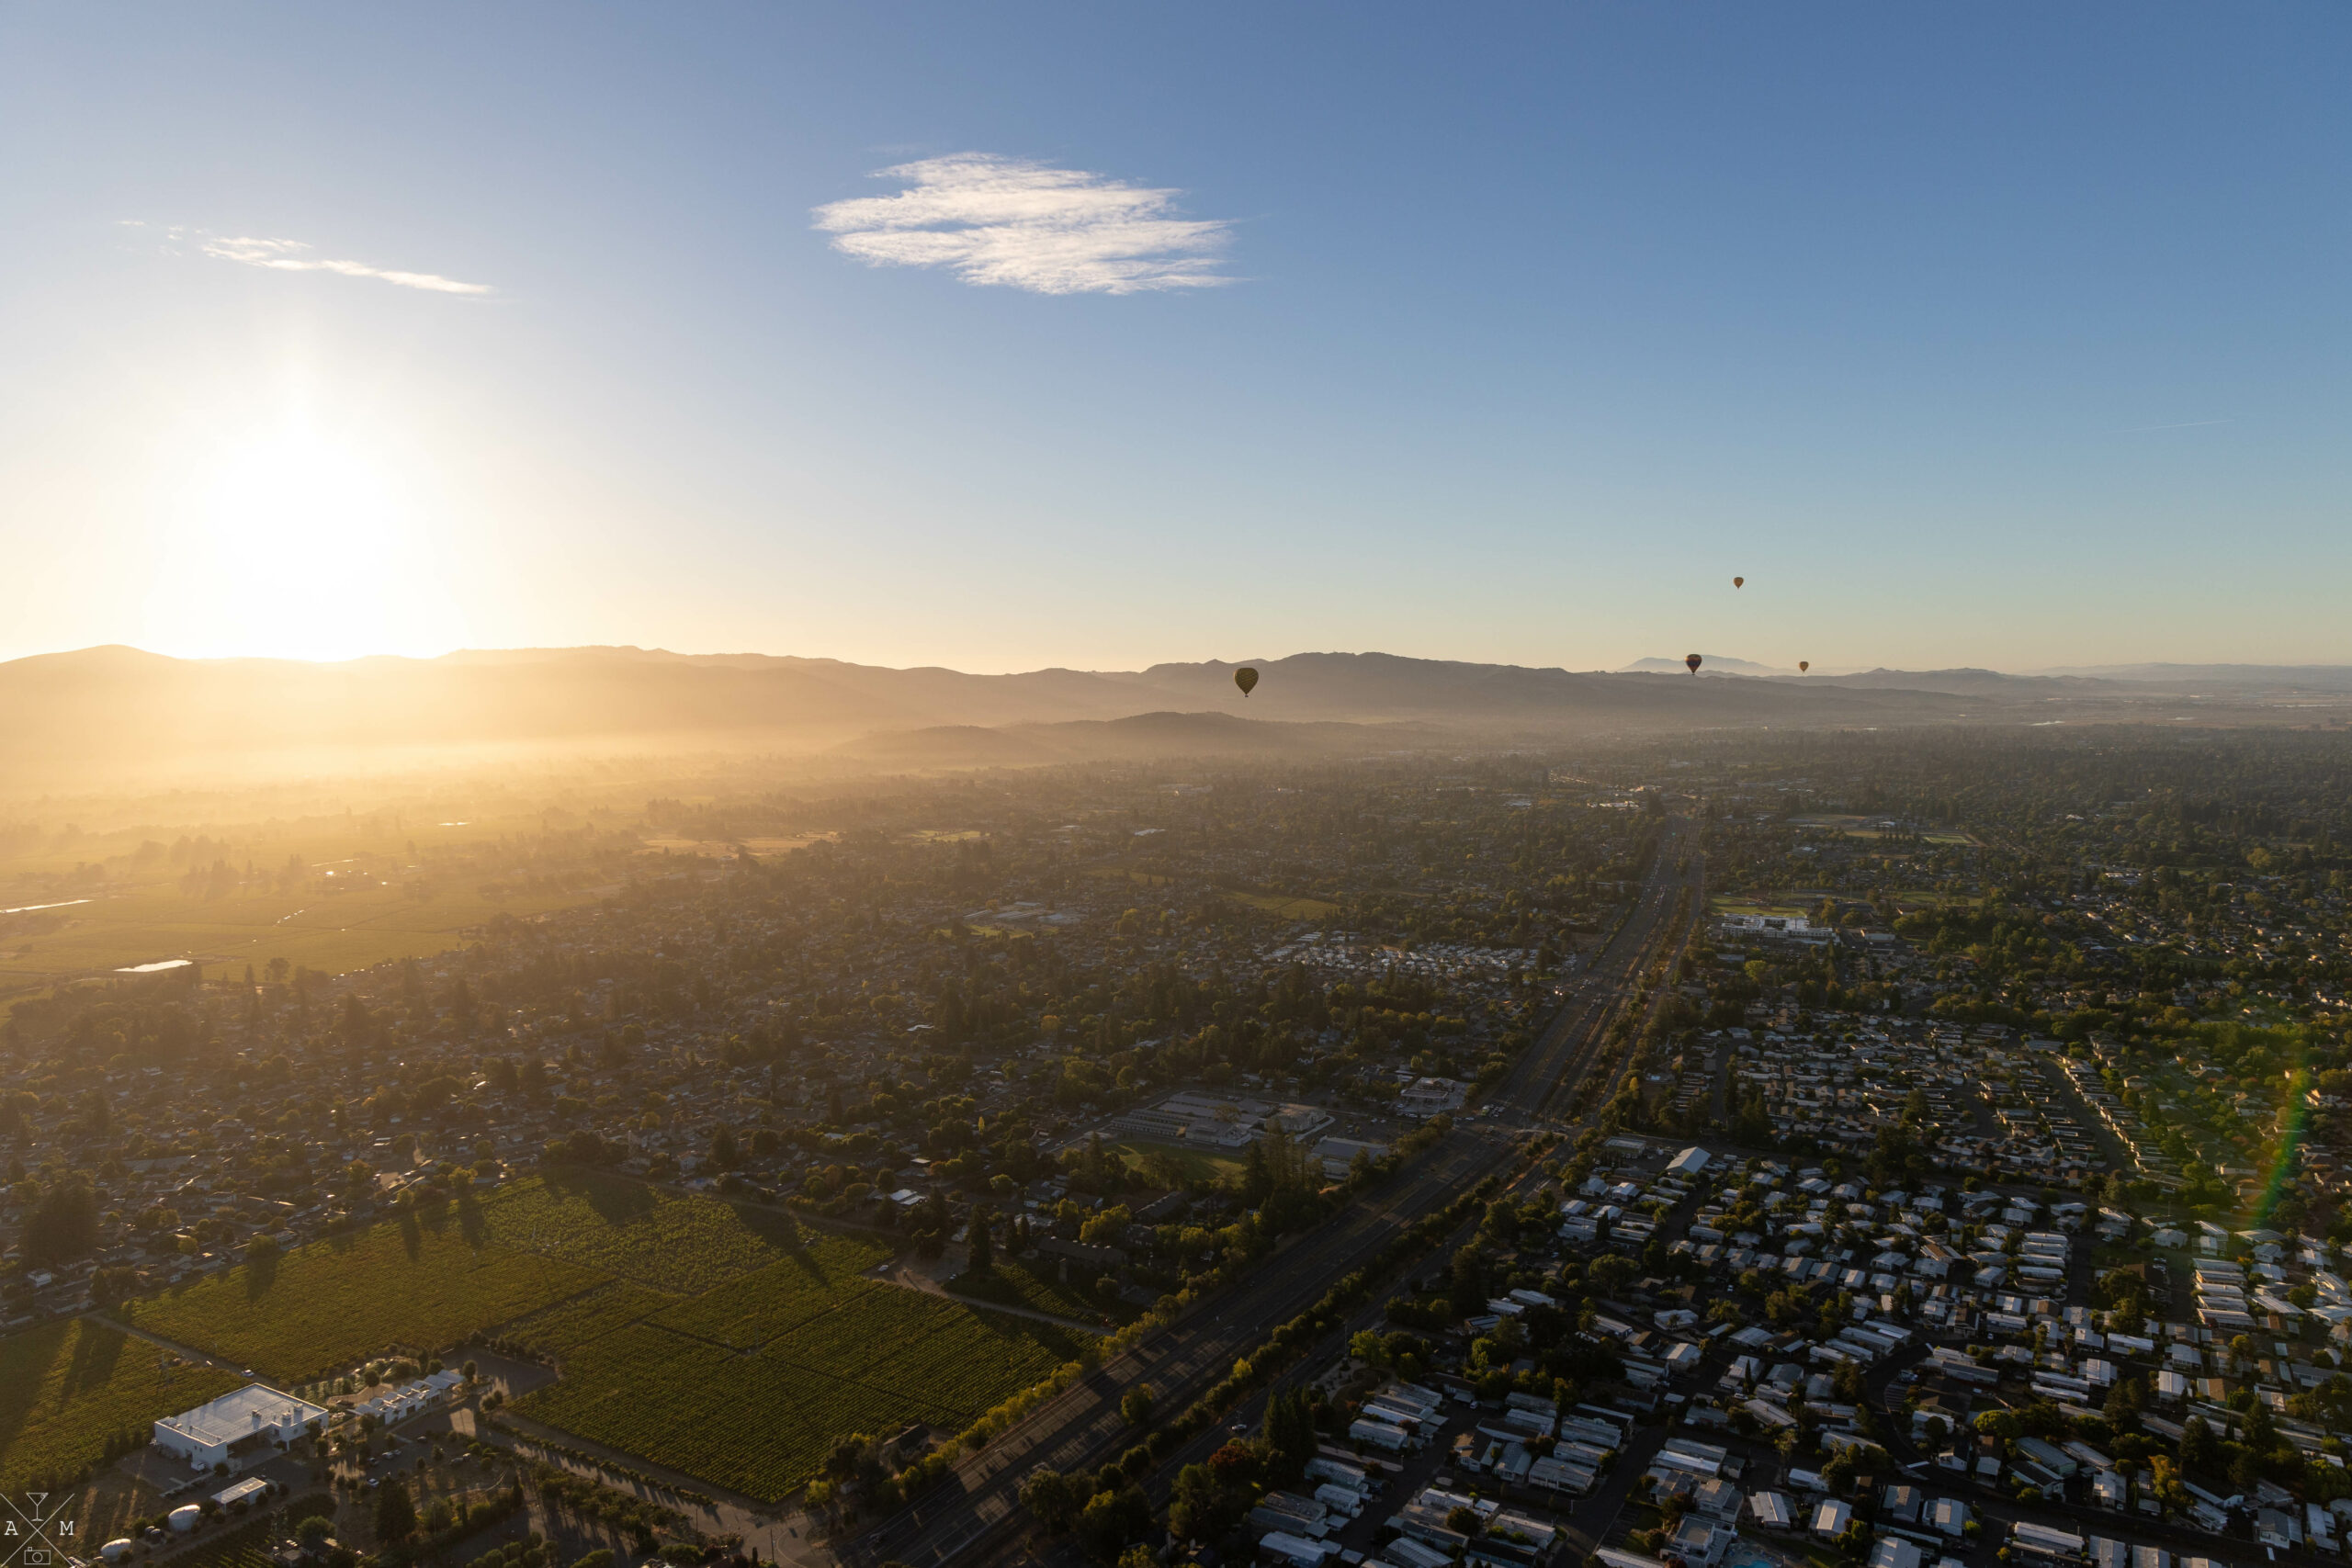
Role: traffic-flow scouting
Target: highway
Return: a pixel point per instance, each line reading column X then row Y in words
column 976, row 1511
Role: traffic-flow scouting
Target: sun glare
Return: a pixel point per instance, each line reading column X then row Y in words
column 316, row 547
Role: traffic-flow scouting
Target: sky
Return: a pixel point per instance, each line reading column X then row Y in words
column 1018, row 336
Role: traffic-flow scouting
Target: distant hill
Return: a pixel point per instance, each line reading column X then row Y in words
column 118, row 714
column 2222, row 677
column 1709, row 664
column 1969, row 683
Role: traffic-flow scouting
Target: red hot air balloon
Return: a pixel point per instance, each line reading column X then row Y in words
column 1692, row 660
column 1803, row 665
column 1739, row 582
column 1245, row 678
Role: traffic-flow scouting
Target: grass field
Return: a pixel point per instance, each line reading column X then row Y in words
column 1289, row 909
column 716, row 1339
column 426, row 1282
column 1188, row 1165
column 1134, row 878
column 726, row 849
column 67, row 1387
column 1734, row 904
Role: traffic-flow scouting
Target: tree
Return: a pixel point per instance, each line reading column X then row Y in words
column 1290, row 1433
column 1054, row 1499
column 2200, row 1451
column 724, row 1154
column 315, row 1532
column 983, row 1249
column 395, row 1513
column 65, row 1222
column 2001, row 1424
column 1136, row 1408
column 1112, row 1520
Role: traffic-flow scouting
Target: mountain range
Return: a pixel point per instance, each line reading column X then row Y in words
column 118, row 712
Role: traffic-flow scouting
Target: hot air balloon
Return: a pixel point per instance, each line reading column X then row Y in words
column 1739, row 582
column 1245, row 678
column 1692, row 660
column 1803, row 665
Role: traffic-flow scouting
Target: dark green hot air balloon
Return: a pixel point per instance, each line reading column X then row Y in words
column 1245, row 678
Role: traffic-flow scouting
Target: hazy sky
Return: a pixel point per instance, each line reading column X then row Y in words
column 1001, row 336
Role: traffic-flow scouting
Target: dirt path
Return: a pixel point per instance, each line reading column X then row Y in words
column 911, row 1276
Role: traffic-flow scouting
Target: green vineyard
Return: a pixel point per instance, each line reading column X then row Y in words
column 717, row 1339
column 424, row 1282
column 753, row 1310
column 558, row 1330
column 752, row 1423
column 748, row 1385
column 684, row 1246
column 72, row 1389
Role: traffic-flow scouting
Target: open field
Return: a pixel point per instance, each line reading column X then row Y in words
column 312, row 882
column 1288, row 908
column 1735, row 904
column 1851, row 826
column 758, row 849
column 1186, row 1165
column 425, row 1283
column 331, row 932
column 66, row 1387
column 717, row 1339
column 1136, row 879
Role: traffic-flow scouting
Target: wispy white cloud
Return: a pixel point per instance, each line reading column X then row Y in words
column 292, row 256
column 287, row 255
column 1024, row 225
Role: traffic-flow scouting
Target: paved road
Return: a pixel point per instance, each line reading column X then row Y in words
column 978, row 1512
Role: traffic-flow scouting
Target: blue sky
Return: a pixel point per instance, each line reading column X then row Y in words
column 1999, row 335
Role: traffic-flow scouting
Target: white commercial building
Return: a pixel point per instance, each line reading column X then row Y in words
column 238, row 1428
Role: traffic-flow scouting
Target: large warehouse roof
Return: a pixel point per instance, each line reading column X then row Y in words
column 242, row 1413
